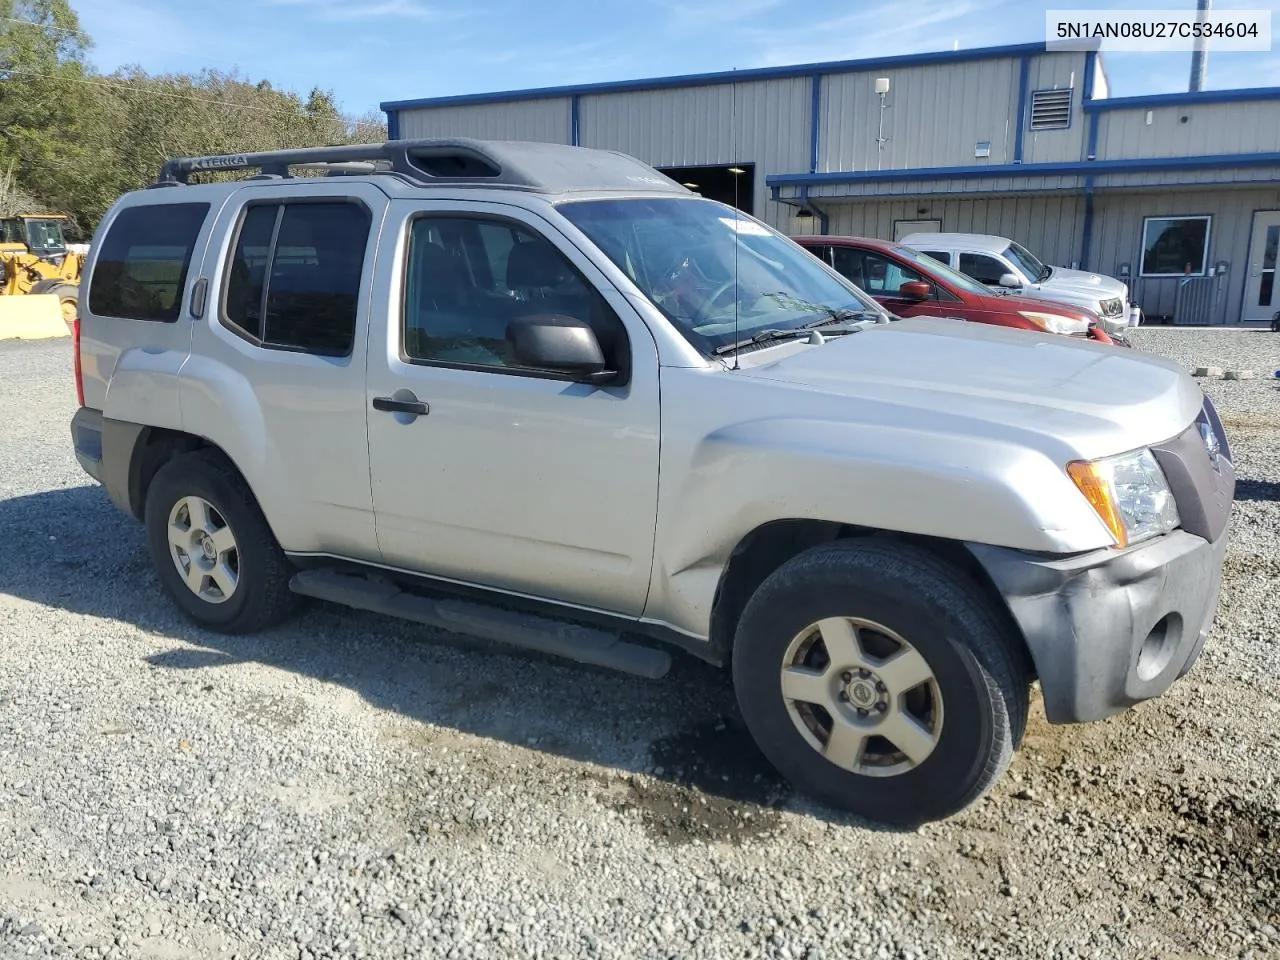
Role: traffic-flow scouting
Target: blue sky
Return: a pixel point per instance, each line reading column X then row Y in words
column 369, row 51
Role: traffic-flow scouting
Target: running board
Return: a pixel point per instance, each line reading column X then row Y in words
column 562, row 639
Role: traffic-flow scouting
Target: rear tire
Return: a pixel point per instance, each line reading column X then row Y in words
column 905, row 691
column 212, row 548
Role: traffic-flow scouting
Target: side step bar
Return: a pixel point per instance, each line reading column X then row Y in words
column 569, row 640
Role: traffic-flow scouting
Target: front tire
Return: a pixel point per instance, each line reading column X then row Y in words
column 880, row 680
column 212, row 548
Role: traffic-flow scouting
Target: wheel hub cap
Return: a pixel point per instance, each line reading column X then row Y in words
column 862, row 696
column 203, row 549
column 862, row 693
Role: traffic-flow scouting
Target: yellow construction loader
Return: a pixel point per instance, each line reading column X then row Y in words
column 34, row 259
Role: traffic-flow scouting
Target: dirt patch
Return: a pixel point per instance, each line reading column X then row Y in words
column 709, row 783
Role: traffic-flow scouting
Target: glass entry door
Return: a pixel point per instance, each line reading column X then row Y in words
column 1261, row 296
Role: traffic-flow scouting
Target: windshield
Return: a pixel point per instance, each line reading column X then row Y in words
column 45, row 236
column 684, row 255
column 928, row 265
column 1027, row 262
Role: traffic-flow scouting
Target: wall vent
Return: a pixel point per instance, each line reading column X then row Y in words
column 1051, row 109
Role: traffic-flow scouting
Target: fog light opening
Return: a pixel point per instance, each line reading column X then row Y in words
column 1157, row 649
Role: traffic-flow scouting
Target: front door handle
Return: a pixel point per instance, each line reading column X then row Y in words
column 393, row 405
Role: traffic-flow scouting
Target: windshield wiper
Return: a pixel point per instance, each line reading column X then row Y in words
column 840, row 316
column 829, row 329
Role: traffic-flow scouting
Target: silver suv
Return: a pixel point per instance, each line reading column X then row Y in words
column 546, row 395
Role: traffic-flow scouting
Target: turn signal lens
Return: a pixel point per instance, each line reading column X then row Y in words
column 1095, row 484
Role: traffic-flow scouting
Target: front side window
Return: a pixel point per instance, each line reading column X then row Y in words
column 1175, row 246
column 983, row 268
column 717, row 275
column 141, row 268
column 294, row 278
column 874, row 272
column 468, row 278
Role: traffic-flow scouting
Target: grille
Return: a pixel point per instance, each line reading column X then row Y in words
column 1203, row 491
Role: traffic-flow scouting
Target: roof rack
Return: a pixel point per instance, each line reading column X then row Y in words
column 539, row 167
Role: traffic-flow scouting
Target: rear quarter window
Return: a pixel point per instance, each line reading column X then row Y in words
column 141, row 269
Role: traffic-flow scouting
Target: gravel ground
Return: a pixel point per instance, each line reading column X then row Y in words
column 349, row 786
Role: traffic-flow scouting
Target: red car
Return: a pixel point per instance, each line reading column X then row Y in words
column 912, row 284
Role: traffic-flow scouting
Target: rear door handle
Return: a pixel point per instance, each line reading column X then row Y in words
column 392, row 405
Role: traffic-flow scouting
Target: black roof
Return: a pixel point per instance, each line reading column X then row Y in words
column 518, row 165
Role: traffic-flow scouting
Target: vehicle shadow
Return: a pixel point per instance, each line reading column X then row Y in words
column 1258, row 490
column 73, row 550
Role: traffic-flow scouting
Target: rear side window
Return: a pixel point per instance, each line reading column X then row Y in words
column 940, row 255
column 141, row 270
column 294, row 277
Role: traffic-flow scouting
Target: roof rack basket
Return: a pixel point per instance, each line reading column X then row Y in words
column 541, row 167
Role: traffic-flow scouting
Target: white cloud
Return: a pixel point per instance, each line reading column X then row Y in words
column 342, row 11
column 700, row 14
column 878, row 30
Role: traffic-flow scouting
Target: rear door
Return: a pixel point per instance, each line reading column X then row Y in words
column 276, row 377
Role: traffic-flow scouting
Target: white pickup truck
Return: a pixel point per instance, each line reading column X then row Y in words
column 546, row 395
column 1006, row 266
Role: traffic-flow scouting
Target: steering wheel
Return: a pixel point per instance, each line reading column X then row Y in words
column 711, row 300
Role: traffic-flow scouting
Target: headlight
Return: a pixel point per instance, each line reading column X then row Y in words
column 1129, row 493
column 1056, row 322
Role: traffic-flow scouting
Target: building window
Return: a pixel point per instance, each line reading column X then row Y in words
column 1051, row 109
column 1175, row 246
column 294, row 282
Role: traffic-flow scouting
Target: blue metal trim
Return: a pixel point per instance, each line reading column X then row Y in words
column 393, row 124
column 1070, row 168
column 815, row 120
column 575, row 122
column 728, row 76
column 1024, row 80
column 1090, row 67
column 1086, row 241
column 1247, row 95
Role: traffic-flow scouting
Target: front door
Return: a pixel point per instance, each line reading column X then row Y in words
column 508, row 477
column 882, row 277
column 1261, row 296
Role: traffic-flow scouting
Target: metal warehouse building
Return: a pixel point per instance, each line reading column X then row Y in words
column 1178, row 194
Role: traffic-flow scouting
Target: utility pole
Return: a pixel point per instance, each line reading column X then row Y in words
column 1200, row 51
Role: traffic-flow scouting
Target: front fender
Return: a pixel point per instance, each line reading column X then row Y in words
column 956, row 487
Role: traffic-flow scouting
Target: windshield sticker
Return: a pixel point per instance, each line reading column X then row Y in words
column 748, row 228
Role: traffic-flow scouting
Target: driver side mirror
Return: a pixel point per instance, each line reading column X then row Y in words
column 1010, row 280
column 915, row 290
column 560, row 344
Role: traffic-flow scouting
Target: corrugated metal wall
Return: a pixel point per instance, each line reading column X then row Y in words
column 690, row 126
column 546, row 121
column 1056, row 72
column 1117, row 239
column 933, row 117
column 1252, row 127
column 1049, row 226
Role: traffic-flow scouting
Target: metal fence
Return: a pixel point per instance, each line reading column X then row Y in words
column 1185, row 300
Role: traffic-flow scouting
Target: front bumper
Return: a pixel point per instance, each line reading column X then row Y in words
column 1110, row 629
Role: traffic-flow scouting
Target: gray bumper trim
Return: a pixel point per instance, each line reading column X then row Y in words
column 86, row 440
column 1086, row 619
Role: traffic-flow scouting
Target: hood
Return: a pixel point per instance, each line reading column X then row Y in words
column 1095, row 284
column 1067, row 397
